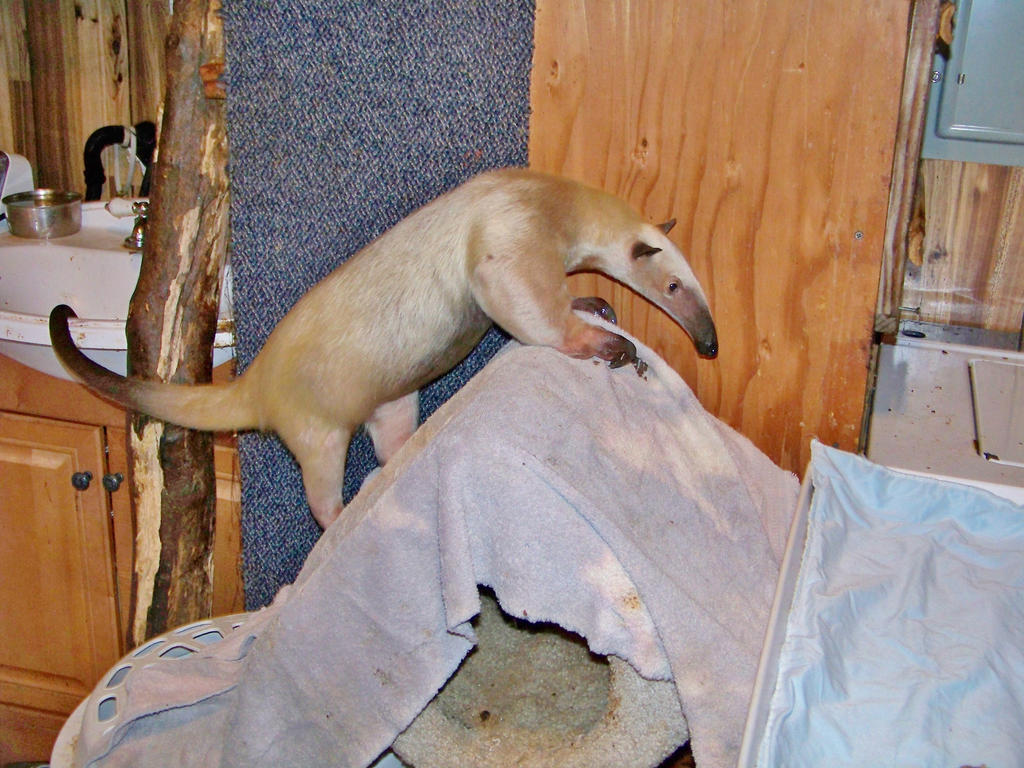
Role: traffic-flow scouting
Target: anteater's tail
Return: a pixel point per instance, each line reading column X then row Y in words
column 212, row 407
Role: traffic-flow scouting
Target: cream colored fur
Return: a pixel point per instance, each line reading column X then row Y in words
column 410, row 305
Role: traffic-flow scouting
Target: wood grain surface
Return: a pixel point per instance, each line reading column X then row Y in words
column 971, row 271
column 768, row 131
column 17, row 121
column 900, row 229
column 70, row 67
column 172, row 319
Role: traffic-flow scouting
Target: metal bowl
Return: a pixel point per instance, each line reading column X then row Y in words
column 44, row 213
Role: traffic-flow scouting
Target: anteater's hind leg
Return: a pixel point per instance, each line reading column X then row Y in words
column 321, row 452
column 392, row 424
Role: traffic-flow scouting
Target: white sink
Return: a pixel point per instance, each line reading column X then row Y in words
column 93, row 273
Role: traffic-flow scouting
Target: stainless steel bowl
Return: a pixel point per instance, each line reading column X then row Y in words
column 44, row 213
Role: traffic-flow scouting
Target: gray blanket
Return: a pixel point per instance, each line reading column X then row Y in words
column 611, row 504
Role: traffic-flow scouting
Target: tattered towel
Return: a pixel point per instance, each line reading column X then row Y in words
column 611, row 504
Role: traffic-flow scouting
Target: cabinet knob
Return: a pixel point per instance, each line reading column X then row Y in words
column 113, row 482
column 81, row 480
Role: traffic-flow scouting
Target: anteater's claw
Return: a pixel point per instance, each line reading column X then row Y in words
column 623, row 353
column 597, row 306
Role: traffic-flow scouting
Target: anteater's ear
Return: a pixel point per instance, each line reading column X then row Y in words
column 641, row 249
column 667, row 226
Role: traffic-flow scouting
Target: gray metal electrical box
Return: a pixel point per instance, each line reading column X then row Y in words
column 976, row 103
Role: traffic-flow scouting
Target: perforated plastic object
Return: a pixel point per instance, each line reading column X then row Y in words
column 100, row 712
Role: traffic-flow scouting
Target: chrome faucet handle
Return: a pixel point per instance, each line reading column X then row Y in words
column 123, row 207
column 134, row 241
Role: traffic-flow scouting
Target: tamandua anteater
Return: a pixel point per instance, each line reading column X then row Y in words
column 411, row 304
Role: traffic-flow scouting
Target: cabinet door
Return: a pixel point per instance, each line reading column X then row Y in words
column 228, row 594
column 58, row 615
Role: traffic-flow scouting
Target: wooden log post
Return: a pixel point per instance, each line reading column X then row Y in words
column 171, row 324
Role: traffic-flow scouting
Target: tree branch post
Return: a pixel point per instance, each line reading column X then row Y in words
column 171, row 325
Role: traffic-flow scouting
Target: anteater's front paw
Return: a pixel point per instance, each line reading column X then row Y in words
column 621, row 351
column 596, row 306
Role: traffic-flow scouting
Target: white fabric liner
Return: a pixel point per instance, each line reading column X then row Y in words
column 904, row 644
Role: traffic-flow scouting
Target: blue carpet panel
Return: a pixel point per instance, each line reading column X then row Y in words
column 343, row 117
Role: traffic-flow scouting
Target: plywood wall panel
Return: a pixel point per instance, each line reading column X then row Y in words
column 971, row 271
column 68, row 68
column 102, row 37
column 79, row 82
column 16, row 124
column 767, row 130
column 147, row 31
column 53, row 58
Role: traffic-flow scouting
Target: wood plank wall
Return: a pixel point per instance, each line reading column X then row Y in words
column 767, row 129
column 70, row 67
column 969, row 266
column 17, row 121
column 923, row 29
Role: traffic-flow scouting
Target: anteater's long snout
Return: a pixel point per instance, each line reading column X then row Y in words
column 690, row 309
column 705, row 337
column 708, row 346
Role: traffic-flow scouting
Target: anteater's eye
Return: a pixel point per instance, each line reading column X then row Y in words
column 673, row 287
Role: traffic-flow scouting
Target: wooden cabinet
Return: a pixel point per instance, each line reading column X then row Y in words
column 228, row 593
column 58, row 608
column 66, row 554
